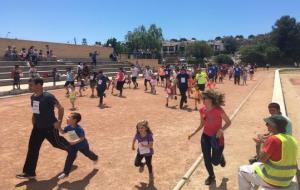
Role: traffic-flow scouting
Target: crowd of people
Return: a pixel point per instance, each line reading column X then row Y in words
column 32, row 54
column 274, row 165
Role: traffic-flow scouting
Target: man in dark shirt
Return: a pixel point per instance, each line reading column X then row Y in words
column 182, row 79
column 44, row 122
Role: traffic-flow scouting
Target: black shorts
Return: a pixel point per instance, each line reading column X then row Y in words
column 69, row 83
column 16, row 81
column 120, row 85
column 100, row 92
column 162, row 78
column 133, row 79
column 145, row 82
column 201, row 87
column 93, row 84
column 211, row 76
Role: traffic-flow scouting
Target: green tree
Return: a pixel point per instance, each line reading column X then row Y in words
column 230, row 44
column 141, row 38
column 286, row 36
column 261, row 54
column 251, row 36
column 223, row 59
column 112, row 42
column 197, row 51
column 218, row 38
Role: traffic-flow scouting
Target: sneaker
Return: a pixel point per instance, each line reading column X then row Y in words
column 223, row 161
column 25, row 176
column 252, row 160
column 210, row 180
column 141, row 169
column 62, row 175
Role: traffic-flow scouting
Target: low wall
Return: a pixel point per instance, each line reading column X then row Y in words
column 144, row 62
column 61, row 50
column 278, row 97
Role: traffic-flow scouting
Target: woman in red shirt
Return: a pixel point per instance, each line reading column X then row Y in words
column 212, row 139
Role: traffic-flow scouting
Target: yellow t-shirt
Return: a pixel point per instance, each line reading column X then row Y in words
column 201, row 77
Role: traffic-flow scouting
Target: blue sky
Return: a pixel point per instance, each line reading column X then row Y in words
column 62, row 20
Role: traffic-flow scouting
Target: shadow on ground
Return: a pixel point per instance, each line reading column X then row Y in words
column 222, row 186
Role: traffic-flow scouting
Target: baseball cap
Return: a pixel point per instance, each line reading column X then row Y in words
column 276, row 121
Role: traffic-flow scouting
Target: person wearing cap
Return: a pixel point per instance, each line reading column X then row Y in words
column 274, row 109
column 182, row 79
column 212, row 139
column 277, row 160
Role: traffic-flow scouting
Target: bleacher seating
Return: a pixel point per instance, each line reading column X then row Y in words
column 46, row 67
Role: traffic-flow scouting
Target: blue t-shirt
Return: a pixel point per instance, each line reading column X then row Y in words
column 182, row 80
column 211, row 71
column 80, row 133
column 237, row 71
column 70, row 76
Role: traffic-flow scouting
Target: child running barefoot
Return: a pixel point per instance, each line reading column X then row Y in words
column 153, row 83
column 72, row 96
column 144, row 137
column 78, row 143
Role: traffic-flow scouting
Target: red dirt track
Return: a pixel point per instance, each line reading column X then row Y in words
column 110, row 132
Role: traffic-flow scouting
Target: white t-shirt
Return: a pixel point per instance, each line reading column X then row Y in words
column 134, row 72
column 147, row 74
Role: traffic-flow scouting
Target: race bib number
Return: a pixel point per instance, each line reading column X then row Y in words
column 99, row 82
column 73, row 137
column 142, row 149
column 167, row 72
column 35, row 107
column 182, row 80
column 91, row 77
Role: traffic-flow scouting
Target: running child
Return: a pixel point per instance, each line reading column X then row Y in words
column 128, row 80
column 191, row 83
column 93, row 82
column 72, row 97
column 170, row 92
column 153, row 83
column 144, row 137
column 113, row 84
column 78, row 142
column 197, row 96
column 212, row 139
column 81, row 85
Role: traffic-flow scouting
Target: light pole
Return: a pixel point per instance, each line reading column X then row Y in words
column 7, row 34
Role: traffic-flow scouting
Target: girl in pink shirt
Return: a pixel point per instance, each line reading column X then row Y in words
column 120, row 80
column 212, row 139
